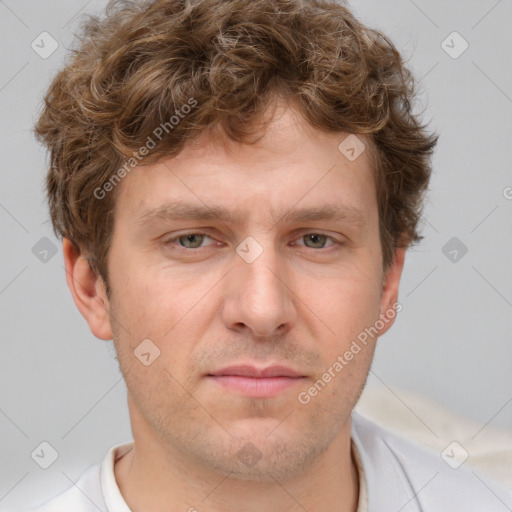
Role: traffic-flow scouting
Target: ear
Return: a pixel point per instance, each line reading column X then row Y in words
column 389, row 305
column 88, row 291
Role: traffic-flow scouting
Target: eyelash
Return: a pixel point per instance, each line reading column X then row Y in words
column 170, row 241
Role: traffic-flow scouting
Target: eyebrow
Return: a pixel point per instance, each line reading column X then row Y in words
column 178, row 210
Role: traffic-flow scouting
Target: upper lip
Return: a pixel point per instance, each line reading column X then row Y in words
column 252, row 371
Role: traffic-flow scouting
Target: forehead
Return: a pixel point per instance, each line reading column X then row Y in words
column 292, row 166
column 287, row 137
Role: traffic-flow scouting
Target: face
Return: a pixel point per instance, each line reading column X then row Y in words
column 271, row 282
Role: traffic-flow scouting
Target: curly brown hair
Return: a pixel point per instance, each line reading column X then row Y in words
column 136, row 68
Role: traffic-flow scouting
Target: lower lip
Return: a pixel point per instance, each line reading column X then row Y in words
column 256, row 387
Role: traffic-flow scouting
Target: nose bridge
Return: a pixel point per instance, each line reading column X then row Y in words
column 259, row 297
column 262, row 276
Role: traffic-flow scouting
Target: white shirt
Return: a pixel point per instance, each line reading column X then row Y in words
column 395, row 474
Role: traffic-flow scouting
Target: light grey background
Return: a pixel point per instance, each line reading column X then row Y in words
column 451, row 342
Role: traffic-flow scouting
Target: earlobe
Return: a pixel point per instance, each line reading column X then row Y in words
column 389, row 305
column 88, row 291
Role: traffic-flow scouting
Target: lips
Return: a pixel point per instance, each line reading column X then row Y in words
column 255, row 382
column 251, row 371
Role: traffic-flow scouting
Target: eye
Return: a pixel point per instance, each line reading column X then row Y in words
column 194, row 240
column 188, row 240
column 317, row 240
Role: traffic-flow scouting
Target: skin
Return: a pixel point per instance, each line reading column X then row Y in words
column 300, row 304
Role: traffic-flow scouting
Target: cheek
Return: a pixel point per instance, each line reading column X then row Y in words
column 346, row 302
column 348, row 307
column 149, row 305
column 143, row 301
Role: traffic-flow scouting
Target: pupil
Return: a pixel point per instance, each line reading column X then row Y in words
column 315, row 238
column 194, row 240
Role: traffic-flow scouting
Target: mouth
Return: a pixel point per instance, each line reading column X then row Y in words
column 253, row 382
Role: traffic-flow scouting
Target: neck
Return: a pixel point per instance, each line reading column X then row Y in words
column 156, row 479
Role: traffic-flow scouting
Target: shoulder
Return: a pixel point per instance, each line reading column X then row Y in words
column 84, row 496
column 95, row 489
column 408, row 477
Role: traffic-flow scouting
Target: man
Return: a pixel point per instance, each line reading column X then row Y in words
column 236, row 183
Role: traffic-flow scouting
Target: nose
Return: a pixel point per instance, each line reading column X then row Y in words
column 259, row 297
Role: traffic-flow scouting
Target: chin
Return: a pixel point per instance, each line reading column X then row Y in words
column 264, row 456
